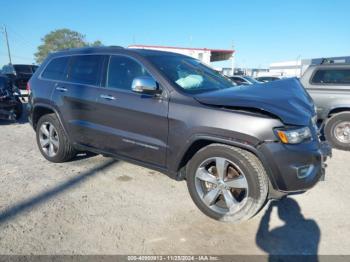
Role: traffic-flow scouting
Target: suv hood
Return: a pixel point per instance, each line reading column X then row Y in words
column 286, row 99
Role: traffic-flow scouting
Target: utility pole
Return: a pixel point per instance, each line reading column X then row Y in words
column 7, row 43
column 233, row 59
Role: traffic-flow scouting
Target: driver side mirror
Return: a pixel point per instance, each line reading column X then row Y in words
column 146, row 85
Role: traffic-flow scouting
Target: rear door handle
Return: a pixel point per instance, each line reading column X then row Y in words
column 61, row 89
column 107, row 97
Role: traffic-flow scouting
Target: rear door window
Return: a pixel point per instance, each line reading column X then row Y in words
column 331, row 76
column 56, row 68
column 85, row 69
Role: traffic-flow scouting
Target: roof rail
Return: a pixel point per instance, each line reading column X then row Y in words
column 89, row 47
column 331, row 60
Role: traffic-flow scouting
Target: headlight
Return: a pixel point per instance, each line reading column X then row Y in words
column 293, row 136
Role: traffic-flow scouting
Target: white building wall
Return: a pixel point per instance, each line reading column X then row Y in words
column 286, row 68
column 202, row 55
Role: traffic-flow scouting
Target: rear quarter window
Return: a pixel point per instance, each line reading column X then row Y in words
column 331, row 77
column 56, row 68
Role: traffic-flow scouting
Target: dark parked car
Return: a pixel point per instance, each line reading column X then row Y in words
column 19, row 74
column 265, row 79
column 10, row 103
column 236, row 146
column 244, row 80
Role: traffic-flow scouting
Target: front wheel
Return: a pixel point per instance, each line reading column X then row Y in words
column 337, row 131
column 52, row 140
column 227, row 183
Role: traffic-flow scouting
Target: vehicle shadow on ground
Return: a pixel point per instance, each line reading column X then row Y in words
column 298, row 236
column 32, row 202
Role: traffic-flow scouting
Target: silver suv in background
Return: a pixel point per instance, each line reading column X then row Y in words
column 328, row 83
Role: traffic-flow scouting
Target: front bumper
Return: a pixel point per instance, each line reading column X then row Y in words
column 294, row 168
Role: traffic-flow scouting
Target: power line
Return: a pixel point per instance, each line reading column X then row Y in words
column 16, row 56
column 16, row 45
column 20, row 37
column 19, row 42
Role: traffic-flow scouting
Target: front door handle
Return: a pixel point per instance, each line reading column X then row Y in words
column 107, row 97
column 61, row 89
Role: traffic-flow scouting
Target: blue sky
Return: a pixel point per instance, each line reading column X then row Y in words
column 261, row 31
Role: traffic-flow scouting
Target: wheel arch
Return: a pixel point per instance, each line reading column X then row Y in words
column 203, row 141
column 40, row 110
column 336, row 110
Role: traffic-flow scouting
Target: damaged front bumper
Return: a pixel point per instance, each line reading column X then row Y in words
column 295, row 168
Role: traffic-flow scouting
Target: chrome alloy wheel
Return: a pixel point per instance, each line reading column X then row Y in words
column 221, row 185
column 342, row 132
column 48, row 138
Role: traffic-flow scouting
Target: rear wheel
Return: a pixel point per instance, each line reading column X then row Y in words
column 227, row 183
column 52, row 140
column 337, row 131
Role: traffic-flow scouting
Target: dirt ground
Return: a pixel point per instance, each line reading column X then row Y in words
column 97, row 205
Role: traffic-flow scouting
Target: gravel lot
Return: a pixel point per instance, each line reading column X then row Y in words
column 97, row 205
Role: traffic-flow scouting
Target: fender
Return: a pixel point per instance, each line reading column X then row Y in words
column 341, row 107
column 52, row 108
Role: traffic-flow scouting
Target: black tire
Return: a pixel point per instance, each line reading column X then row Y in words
column 254, row 173
column 65, row 150
column 330, row 128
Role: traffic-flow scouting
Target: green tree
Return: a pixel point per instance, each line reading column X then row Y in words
column 61, row 39
column 96, row 43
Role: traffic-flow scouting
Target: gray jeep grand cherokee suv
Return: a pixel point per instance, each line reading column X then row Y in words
column 236, row 146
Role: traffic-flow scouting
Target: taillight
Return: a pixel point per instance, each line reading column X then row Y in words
column 28, row 87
